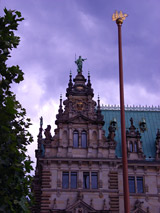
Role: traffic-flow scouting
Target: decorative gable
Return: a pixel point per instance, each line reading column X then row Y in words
column 80, row 207
column 134, row 144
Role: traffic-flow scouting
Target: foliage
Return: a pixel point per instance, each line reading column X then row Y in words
column 15, row 165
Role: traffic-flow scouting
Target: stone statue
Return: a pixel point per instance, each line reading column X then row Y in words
column 91, row 202
column 104, row 205
column 68, row 202
column 47, row 132
column 54, row 203
column 112, row 134
column 138, row 204
column 79, row 63
column 131, row 120
column 41, row 122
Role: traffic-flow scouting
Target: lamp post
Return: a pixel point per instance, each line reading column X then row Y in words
column 119, row 17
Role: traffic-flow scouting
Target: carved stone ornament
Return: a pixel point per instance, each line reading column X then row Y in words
column 54, row 204
column 47, row 133
column 138, row 207
column 104, row 205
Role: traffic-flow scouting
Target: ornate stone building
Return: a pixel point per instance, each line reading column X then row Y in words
column 79, row 169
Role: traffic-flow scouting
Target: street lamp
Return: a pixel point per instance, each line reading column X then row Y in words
column 119, row 17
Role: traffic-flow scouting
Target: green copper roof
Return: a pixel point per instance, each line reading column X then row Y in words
column 148, row 137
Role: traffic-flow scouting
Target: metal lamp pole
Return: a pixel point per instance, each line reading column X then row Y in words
column 119, row 17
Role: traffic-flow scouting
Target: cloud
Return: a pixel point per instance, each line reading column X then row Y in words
column 134, row 94
column 53, row 31
column 48, row 111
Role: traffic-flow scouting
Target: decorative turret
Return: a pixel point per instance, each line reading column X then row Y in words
column 134, row 144
column 132, row 132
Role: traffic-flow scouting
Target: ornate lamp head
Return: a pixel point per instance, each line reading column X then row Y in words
column 119, row 17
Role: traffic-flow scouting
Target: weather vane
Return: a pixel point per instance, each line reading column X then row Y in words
column 119, row 17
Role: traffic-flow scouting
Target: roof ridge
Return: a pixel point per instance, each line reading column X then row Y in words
column 131, row 108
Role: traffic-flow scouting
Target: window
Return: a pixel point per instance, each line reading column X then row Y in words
column 140, row 185
column 135, row 146
column 86, row 181
column 90, row 177
column 130, row 147
column 84, row 139
column 131, row 184
column 75, row 139
column 65, row 180
column 73, row 180
column 69, row 177
column 135, row 184
column 94, row 180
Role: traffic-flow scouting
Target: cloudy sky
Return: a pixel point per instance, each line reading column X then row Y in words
column 55, row 31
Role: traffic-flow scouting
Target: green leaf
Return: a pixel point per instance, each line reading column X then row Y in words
column 15, row 165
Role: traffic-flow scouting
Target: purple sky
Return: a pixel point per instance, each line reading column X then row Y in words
column 55, row 30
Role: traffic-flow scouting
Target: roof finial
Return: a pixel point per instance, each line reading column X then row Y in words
column 89, row 82
column 98, row 102
column 70, row 76
column 70, row 80
column 60, row 105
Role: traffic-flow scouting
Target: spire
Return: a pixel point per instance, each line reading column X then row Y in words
column 70, row 84
column 41, row 127
column 98, row 107
column 60, row 106
column 89, row 82
column 70, row 80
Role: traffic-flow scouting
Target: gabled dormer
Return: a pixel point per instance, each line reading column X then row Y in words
column 158, row 145
column 134, row 143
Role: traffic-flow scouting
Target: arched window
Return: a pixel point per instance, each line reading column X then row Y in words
column 75, row 139
column 84, row 139
column 130, row 147
column 135, row 147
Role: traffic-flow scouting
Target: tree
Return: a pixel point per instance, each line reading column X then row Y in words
column 15, row 165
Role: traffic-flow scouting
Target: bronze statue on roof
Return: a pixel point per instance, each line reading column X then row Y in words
column 79, row 63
